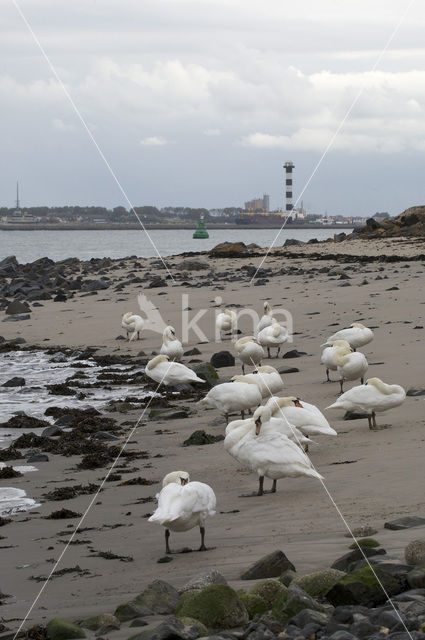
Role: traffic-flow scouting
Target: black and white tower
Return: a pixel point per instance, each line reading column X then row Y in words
column 288, row 166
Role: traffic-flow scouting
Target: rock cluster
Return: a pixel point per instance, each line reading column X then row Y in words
column 410, row 223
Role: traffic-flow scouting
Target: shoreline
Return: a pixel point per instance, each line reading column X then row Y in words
column 161, row 227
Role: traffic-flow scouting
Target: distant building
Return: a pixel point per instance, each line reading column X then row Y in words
column 380, row 216
column 259, row 204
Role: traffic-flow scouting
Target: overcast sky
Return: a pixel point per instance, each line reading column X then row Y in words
column 200, row 102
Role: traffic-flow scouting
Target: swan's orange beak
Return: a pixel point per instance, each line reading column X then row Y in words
column 257, row 426
column 297, row 403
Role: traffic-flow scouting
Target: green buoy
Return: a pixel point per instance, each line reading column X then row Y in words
column 201, row 231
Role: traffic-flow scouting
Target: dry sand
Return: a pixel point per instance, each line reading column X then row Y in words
column 372, row 476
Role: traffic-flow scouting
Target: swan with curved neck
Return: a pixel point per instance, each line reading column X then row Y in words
column 357, row 335
column 169, row 373
column 267, row 318
column 133, row 324
column 305, row 416
column 183, row 505
column 267, row 379
column 350, row 365
column 273, row 336
column 226, row 321
column 269, row 453
column 171, row 346
column 328, row 353
column 249, row 350
column 372, row 397
column 240, row 395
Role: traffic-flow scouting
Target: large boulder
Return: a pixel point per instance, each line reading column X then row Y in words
column 59, row 629
column 16, row 306
column 268, row 589
column 254, row 604
column 269, row 566
column 364, row 587
column 192, row 264
column 159, row 597
column 319, row 582
column 169, row 629
column 217, row 607
column 294, row 600
column 349, row 559
column 14, row 382
column 229, row 250
column 414, row 553
column 203, row 580
column 103, row 620
column 416, row 578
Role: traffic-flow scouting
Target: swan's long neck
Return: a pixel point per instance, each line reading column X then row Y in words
column 383, row 387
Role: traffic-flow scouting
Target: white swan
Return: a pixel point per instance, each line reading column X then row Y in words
column 357, row 335
column 328, row 353
column 306, row 417
column 267, row 319
column 163, row 371
column 171, row 346
column 249, row 351
column 272, row 424
column 132, row 324
column 240, row 395
column 226, row 321
column 350, row 366
column 272, row 336
column 183, row 505
column 373, row 397
column 271, row 455
column 267, row 379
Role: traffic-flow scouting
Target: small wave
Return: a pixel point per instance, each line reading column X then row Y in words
column 13, row 501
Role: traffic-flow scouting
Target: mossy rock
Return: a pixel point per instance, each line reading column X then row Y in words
column 268, row 589
column 130, row 610
column 287, row 577
column 363, row 587
column 319, row 582
column 365, row 543
column 254, row 604
column 191, row 622
column 287, row 605
column 217, row 607
column 200, row 437
column 103, row 620
column 207, row 372
column 159, row 597
column 59, row 629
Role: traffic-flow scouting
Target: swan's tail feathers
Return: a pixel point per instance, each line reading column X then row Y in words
column 133, row 335
column 198, row 379
column 203, row 402
column 335, row 405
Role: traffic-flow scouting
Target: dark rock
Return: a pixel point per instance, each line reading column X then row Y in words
column 204, row 580
column 343, row 563
column 24, row 422
column 415, row 392
column 200, row 437
column 229, row 250
column 9, row 472
column 159, row 597
column 339, row 237
column 157, row 283
column 416, row 578
column 270, row 566
column 169, row 629
column 16, row 318
column 51, row 431
column 167, row 414
column 14, row 382
column 292, row 242
column 17, row 306
column 309, row 616
column 192, row 352
column 284, row 370
column 355, row 415
column 405, row 523
column 294, row 353
column 217, row 607
column 192, row 264
column 59, row 629
column 95, row 285
column 207, row 372
column 104, row 435
column 362, row 587
column 363, row 629
column 222, row 359
column 63, row 514
column 17, row 341
column 288, row 605
column 38, row 457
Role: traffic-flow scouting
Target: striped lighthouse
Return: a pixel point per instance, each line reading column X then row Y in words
column 288, row 166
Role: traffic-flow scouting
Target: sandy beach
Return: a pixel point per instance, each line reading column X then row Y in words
column 372, row 477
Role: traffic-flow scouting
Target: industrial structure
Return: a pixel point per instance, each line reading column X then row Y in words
column 258, row 205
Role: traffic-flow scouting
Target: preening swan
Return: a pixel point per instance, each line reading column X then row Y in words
column 328, row 353
column 240, row 395
column 273, row 336
column 171, row 347
column 183, row 505
column 132, row 324
column 267, row 319
column 267, row 379
column 357, row 335
column 306, row 417
column 350, row 366
column 271, row 455
column 249, row 351
column 162, row 370
column 226, row 321
column 272, row 424
column 373, row 397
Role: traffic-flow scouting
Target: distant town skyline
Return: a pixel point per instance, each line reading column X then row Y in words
column 201, row 103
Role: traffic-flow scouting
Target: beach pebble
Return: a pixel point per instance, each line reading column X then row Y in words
column 38, row 457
